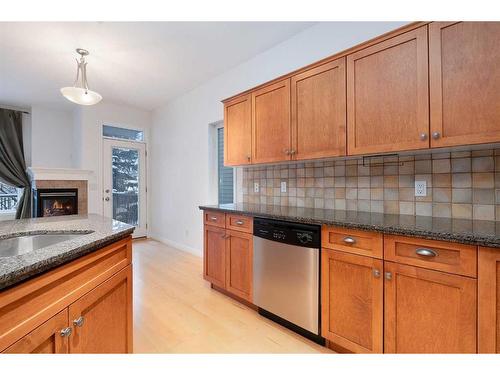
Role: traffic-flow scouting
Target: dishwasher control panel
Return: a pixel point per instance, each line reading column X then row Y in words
column 291, row 233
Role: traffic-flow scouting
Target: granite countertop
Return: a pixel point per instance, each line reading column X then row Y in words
column 474, row 232
column 97, row 231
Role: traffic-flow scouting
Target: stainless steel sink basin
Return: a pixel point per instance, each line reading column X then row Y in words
column 24, row 244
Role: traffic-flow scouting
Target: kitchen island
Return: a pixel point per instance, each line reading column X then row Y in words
column 64, row 282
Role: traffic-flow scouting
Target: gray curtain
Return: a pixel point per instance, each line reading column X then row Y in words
column 12, row 164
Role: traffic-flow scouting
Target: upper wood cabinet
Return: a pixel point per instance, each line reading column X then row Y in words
column 387, row 95
column 238, row 131
column 428, row 311
column 271, row 140
column 464, row 82
column 352, row 301
column 319, row 112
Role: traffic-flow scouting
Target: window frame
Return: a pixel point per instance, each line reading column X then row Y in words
column 219, row 125
column 125, row 126
column 7, row 214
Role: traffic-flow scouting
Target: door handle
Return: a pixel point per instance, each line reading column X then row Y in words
column 388, row 276
column 79, row 321
column 106, row 199
column 65, row 332
column 376, row 273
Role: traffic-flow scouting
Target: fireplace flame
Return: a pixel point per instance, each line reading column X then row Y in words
column 57, row 205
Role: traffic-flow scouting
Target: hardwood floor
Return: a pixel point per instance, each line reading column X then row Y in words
column 176, row 311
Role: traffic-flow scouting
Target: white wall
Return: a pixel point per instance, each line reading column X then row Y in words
column 87, row 140
column 180, row 133
column 51, row 138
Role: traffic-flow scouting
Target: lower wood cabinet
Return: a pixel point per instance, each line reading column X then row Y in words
column 352, row 301
column 428, row 311
column 214, row 256
column 239, row 251
column 489, row 300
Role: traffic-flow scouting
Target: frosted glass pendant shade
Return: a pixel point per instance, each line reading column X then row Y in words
column 79, row 93
column 81, row 96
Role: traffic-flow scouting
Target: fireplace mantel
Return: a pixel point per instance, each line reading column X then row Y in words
column 54, row 174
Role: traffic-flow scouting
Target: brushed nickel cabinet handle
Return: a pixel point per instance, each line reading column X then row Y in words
column 429, row 253
column 293, row 152
column 423, row 136
column 248, row 157
column 436, row 135
column 78, row 322
column 239, row 222
column 286, row 151
column 388, row 276
column 66, row 332
column 349, row 240
column 213, row 218
column 376, row 273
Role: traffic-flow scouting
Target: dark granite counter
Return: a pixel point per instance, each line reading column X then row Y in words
column 474, row 232
column 97, row 231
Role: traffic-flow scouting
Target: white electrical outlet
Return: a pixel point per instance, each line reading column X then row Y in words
column 420, row 188
column 283, row 186
column 255, row 187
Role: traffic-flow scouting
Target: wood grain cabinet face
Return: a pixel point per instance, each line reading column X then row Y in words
column 489, row 300
column 464, row 82
column 319, row 112
column 238, row 131
column 239, row 258
column 353, row 241
column 45, row 339
column 428, row 311
column 106, row 317
column 352, row 301
column 214, row 256
column 388, row 96
column 271, row 140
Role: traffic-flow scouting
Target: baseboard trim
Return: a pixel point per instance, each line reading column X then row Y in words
column 177, row 245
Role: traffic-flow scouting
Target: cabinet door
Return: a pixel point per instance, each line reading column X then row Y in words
column 489, row 300
column 239, row 264
column 238, row 131
column 464, row 82
column 102, row 318
column 428, row 311
column 45, row 339
column 352, row 301
column 271, row 123
column 319, row 112
column 388, row 96
column 214, row 256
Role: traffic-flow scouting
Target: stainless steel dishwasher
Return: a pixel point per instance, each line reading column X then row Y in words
column 286, row 271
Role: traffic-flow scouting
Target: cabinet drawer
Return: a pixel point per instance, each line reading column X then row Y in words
column 217, row 219
column 239, row 223
column 353, row 241
column 437, row 255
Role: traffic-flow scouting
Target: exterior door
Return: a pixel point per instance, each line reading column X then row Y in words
column 102, row 318
column 319, row 112
column 124, row 183
column 48, row 338
column 464, row 83
column 214, row 257
column 239, row 250
column 352, row 301
column 238, row 131
column 388, row 96
column 428, row 311
column 271, row 139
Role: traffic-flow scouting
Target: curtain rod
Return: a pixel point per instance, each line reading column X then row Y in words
column 15, row 109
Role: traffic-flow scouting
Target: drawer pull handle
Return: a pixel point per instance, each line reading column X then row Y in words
column 239, row 222
column 65, row 332
column 213, row 218
column 426, row 252
column 349, row 240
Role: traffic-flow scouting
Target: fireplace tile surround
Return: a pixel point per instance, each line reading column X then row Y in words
column 80, row 185
column 462, row 184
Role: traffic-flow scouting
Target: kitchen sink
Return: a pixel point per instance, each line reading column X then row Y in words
column 24, row 244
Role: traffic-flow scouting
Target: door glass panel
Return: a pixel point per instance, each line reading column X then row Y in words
column 126, row 185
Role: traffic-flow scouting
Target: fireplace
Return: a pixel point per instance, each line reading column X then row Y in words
column 56, row 202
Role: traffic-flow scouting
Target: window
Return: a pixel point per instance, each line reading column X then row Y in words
column 9, row 197
column 122, row 133
column 225, row 174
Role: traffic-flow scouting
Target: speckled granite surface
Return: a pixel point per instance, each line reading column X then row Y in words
column 98, row 231
column 475, row 232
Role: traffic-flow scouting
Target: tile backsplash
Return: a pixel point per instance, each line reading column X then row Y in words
column 463, row 184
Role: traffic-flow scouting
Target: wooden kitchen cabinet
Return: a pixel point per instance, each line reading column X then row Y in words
column 352, row 301
column 464, row 81
column 214, row 256
column 387, row 95
column 428, row 311
column 319, row 111
column 271, row 130
column 45, row 339
column 489, row 300
column 238, row 131
column 239, row 258
column 102, row 319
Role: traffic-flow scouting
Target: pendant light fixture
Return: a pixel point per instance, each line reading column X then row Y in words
column 79, row 93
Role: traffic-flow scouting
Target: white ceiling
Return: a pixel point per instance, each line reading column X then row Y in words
column 142, row 64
